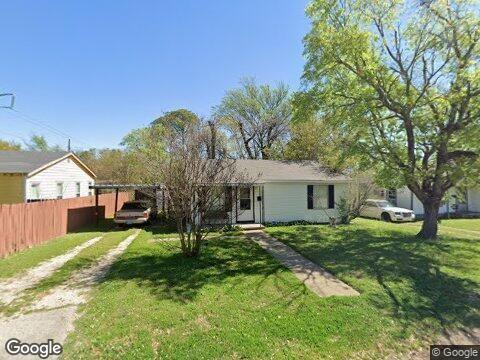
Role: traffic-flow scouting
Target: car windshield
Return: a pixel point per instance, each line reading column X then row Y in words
column 134, row 206
column 384, row 203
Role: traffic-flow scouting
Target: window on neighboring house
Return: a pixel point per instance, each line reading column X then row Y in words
column 320, row 197
column 77, row 188
column 391, row 196
column 90, row 191
column 245, row 200
column 59, row 190
column 35, row 191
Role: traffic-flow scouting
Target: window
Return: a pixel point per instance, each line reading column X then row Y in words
column 35, row 191
column 320, row 197
column 59, row 190
column 78, row 188
column 392, row 196
column 245, row 200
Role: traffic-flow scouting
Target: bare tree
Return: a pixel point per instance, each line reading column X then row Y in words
column 214, row 139
column 194, row 186
column 356, row 194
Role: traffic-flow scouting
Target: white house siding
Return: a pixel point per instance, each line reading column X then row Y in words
column 474, row 200
column 288, row 202
column 406, row 199
column 66, row 171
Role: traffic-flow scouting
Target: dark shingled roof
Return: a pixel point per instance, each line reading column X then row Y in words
column 286, row 171
column 24, row 162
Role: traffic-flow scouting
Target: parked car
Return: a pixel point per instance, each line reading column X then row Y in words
column 384, row 210
column 134, row 212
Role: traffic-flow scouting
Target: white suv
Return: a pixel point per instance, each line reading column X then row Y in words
column 383, row 210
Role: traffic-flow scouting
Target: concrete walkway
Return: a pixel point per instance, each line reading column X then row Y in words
column 317, row 279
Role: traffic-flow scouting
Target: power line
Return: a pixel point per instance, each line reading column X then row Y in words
column 13, row 135
column 45, row 126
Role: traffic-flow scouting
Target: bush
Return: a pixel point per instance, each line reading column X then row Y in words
column 344, row 211
column 162, row 218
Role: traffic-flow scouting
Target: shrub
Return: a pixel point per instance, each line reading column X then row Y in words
column 344, row 211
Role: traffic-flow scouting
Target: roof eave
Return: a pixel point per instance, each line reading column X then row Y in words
column 66, row 156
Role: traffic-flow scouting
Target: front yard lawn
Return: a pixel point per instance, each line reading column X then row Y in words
column 422, row 287
column 236, row 301
column 464, row 224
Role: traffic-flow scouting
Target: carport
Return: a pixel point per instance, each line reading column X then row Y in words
column 153, row 189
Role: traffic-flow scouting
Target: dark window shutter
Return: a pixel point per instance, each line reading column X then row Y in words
column 309, row 196
column 228, row 198
column 331, row 196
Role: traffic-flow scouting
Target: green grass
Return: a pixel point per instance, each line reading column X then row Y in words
column 26, row 259
column 422, row 287
column 236, row 301
column 84, row 259
column 464, row 224
column 19, row 262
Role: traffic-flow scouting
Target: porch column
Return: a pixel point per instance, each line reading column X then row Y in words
column 236, row 204
column 254, row 202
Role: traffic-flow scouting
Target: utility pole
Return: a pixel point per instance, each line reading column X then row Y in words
column 69, row 145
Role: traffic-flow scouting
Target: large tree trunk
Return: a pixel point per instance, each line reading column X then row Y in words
column 430, row 220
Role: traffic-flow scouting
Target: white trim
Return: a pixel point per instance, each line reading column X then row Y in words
column 66, row 156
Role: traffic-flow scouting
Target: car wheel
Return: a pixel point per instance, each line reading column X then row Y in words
column 386, row 217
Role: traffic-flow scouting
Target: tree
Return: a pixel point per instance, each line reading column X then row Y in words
column 177, row 121
column 256, row 117
column 194, row 185
column 403, row 77
column 214, row 139
column 114, row 165
column 9, row 145
column 319, row 140
column 39, row 143
column 355, row 196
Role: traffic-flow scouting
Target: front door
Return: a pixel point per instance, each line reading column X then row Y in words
column 245, row 204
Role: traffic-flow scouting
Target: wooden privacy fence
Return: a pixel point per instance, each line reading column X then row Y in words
column 26, row 225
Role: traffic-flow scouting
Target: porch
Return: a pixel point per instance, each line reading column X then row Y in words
column 247, row 227
column 240, row 205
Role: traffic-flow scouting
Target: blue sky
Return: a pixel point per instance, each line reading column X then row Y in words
column 97, row 69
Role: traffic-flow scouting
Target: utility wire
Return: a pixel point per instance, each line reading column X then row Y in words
column 13, row 135
column 47, row 127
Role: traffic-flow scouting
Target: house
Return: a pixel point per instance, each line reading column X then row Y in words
column 454, row 204
column 27, row 176
column 285, row 191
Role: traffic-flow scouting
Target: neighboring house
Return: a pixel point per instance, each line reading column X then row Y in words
column 27, row 176
column 454, row 203
column 284, row 191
